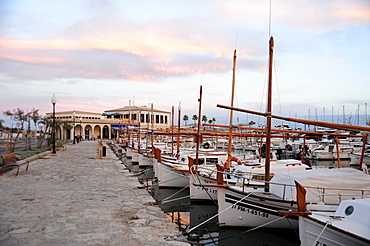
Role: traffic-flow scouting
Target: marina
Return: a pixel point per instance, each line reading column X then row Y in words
column 269, row 144
column 199, row 221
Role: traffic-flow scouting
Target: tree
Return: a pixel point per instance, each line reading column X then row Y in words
column 186, row 118
column 204, row 118
column 68, row 126
column 35, row 118
column 47, row 121
column 20, row 116
column 194, row 118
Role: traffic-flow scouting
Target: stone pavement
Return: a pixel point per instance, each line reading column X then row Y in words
column 73, row 199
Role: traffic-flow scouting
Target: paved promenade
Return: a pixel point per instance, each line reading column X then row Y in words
column 73, row 199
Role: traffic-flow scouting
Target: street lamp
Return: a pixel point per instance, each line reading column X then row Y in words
column 74, row 123
column 54, row 101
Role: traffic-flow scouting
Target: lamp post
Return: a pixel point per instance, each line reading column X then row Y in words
column 74, row 124
column 54, row 101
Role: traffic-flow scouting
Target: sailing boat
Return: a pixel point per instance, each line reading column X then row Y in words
column 243, row 206
column 203, row 179
column 349, row 224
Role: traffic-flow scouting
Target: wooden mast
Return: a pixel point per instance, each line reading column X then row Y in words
column 198, row 130
column 178, row 130
column 172, row 126
column 231, row 114
column 268, row 119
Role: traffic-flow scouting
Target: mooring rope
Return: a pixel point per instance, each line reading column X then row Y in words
column 189, row 230
column 177, row 192
column 326, row 224
column 254, row 228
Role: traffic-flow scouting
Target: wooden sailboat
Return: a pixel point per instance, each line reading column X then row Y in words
column 203, row 180
column 243, row 206
column 349, row 224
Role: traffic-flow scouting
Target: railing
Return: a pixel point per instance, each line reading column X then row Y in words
column 248, row 180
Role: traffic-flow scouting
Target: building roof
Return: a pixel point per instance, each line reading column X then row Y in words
column 135, row 108
column 69, row 112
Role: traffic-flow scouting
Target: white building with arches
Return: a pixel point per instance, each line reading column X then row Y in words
column 89, row 125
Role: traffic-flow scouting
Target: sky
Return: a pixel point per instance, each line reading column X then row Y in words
column 96, row 55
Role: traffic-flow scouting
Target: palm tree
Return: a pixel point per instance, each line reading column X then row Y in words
column 18, row 115
column 186, row 118
column 204, row 118
column 194, row 118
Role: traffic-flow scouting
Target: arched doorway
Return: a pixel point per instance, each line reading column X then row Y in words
column 97, row 132
column 105, row 132
column 88, row 132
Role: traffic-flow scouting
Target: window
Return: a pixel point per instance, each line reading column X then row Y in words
column 212, row 160
column 147, row 118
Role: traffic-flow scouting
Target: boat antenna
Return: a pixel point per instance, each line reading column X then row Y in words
column 237, row 36
column 270, row 20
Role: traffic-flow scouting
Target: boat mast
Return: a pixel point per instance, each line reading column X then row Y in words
column 172, row 127
column 268, row 115
column 231, row 114
column 178, row 130
column 198, row 137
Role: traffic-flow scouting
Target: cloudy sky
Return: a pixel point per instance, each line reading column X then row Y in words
column 104, row 54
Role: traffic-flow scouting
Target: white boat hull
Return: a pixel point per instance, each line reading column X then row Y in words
column 348, row 225
column 311, row 229
column 200, row 192
column 168, row 177
column 355, row 159
column 238, row 208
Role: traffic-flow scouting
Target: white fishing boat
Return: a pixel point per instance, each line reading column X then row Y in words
column 330, row 152
column 356, row 158
column 241, row 206
column 174, row 172
column 348, row 224
column 204, row 183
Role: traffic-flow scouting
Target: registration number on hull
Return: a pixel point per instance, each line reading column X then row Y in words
column 250, row 211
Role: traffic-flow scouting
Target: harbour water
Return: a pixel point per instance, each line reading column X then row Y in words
column 199, row 222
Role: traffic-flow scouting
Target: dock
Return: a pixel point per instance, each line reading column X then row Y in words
column 73, row 199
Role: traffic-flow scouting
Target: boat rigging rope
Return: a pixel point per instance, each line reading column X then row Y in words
column 255, row 228
column 166, row 199
column 326, row 224
column 189, row 230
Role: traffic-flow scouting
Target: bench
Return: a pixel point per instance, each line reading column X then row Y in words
column 11, row 160
column 61, row 146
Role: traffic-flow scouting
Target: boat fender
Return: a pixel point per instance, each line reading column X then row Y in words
column 234, row 159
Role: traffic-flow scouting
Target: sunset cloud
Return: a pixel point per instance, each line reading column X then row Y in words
column 109, row 51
